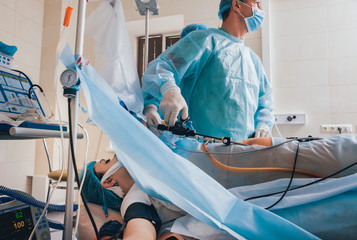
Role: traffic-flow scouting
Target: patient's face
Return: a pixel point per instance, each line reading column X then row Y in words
column 103, row 166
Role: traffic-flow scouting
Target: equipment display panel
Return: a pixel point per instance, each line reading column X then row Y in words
column 18, row 219
column 16, row 223
column 14, row 91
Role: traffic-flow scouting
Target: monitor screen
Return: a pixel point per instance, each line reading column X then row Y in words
column 16, row 223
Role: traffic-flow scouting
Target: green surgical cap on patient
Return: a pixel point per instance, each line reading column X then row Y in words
column 95, row 193
column 223, row 6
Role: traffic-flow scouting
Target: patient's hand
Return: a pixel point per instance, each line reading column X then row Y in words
column 85, row 228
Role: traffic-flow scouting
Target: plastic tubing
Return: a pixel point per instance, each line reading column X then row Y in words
column 265, row 169
column 24, row 197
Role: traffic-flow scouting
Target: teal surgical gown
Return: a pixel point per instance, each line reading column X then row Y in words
column 221, row 79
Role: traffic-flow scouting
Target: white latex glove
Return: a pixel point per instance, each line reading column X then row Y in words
column 263, row 130
column 152, row 116
column 172, row 104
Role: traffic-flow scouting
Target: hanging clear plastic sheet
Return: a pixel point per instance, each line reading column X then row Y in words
column 113, row 53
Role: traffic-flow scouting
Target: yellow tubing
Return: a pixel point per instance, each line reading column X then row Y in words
column 265, row 169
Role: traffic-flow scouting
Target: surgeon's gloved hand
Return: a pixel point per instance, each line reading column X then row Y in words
column 152, row 116
column 172, row 104
column 263, row 130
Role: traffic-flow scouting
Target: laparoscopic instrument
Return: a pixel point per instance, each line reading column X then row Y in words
column 184, row 128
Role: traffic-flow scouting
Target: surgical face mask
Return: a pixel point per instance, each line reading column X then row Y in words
column 117, row 190
column 116, row 166
column 254, row 22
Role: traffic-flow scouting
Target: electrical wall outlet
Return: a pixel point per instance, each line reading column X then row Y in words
column 336, row 128
column 293, row 118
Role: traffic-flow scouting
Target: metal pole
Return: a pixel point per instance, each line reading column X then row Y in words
column 146, row 61
column 49, row 167
column 47, row 154
column 68, row 221
column 80, row 27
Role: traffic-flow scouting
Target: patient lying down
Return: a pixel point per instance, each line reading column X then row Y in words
column 109, row 184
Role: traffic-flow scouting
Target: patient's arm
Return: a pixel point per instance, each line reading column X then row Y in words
column 85, row 228
column 139, row 228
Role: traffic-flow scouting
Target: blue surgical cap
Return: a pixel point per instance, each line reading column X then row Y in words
column 193, row 27
column 223, row 6
column 95, row 193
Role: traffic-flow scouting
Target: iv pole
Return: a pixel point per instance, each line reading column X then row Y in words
column 68, row 220
column 144, row 8
column 146, row 59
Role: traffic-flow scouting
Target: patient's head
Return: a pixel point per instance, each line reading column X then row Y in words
column 113, row 176
column 102, row 166
column 98, row 192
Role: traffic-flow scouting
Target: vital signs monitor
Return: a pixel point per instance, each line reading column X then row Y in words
column 17, row 220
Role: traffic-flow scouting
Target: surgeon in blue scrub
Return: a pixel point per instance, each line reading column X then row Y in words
column 211, row 76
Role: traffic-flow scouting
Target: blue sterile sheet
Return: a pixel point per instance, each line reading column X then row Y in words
column 163, row 174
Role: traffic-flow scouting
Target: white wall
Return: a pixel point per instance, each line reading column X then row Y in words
column 21, row 25
column 314, row 58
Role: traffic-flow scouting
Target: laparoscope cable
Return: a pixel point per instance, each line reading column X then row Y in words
column 237, row 169
column 76, row 171
column 293, row 171
column 305, row 185
column 274, row 146
column 251, row 170
column 290, row 181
